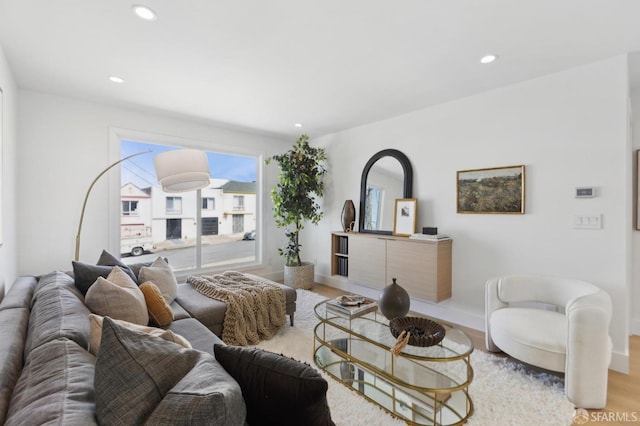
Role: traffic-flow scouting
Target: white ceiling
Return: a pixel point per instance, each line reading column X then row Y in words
column 330, row 64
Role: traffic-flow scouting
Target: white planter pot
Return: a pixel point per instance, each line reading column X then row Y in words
column 299, row 276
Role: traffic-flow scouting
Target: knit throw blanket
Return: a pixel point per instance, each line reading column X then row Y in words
column 255, row 309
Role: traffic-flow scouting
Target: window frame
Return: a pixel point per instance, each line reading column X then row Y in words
column 128, row 212
column 205, row 201
column 117, row 135
column 173, row 209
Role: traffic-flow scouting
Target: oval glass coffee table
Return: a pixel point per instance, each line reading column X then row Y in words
column 420, row 385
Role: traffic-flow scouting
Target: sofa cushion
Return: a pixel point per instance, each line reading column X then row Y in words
column 161, row 274
column 200, row 337
column 142, row 379
column 85, row 274
column 178, row 311
column 160, row 313
column 13, row 335
column 208, row 311
column 277, row 389
column 118, row 297
column 57, row 313
column 535, row 336
column 55, row 387
column 96, row 321
column 56, row 279
column 19, row 294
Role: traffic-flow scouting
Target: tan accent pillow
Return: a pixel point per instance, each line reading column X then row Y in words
column 159, row 310
column 95, row 333
column 117, row 297
column 161, row 274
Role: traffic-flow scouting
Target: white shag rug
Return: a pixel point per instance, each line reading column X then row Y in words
column 503, row 391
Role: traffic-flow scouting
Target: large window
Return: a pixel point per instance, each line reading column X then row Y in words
column 193, row 230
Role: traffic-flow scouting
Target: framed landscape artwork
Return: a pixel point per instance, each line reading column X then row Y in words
column 493, row 190
column 404, row 216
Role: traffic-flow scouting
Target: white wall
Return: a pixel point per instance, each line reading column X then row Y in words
column 65, row 143
column 9, row 247
column 569, row 129
column 635, row 296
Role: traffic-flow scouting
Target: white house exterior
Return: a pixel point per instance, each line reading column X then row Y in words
column 135, row 219
column 227, row 207
column 135, row 211
column 239, row 207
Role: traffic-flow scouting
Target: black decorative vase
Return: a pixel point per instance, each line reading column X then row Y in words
column 394, row 301
column 348, row 216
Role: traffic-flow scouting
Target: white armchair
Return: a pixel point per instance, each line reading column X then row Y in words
column 558, row 324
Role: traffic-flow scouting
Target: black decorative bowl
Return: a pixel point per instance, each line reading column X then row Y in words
column 424, row 332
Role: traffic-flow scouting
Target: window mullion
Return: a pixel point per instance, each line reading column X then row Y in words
column 198, row 229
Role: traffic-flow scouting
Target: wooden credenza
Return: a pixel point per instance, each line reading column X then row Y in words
column 422, row 267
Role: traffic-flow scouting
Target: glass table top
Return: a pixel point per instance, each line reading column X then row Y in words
column 374, row 328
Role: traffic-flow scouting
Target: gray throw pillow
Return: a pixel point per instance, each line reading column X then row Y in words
column 107, row 259
column 86, row 274
column 161, row 274
column 118, row 297
column 277, row 389
column 144, row 379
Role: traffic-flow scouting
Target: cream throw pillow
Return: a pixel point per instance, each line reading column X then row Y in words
column 95, row 333
column 117, row 297
column 161, row 274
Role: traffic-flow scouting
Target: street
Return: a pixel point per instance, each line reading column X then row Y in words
column 184, row 257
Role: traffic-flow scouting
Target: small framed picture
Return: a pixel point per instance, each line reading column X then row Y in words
column 404, row 218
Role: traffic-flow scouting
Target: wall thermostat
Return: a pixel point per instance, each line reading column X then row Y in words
column 585, row 192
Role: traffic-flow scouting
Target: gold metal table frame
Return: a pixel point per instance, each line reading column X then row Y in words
column 421, row 385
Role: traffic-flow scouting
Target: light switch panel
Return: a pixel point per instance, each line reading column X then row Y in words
column 587, row 221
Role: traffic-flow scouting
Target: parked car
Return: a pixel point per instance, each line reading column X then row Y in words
column 135, row 246
column 251, row 235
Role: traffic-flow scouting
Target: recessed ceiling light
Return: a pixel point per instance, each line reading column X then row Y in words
column 298, row 125
column 116, row 79
column 487, row 59
column 143, row 12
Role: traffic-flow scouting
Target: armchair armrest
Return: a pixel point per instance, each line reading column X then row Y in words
column 492, row 303
column 588, row 349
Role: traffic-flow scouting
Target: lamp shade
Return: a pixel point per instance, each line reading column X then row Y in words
column 182, row 170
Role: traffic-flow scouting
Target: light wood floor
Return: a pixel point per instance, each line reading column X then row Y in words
column 623, row 397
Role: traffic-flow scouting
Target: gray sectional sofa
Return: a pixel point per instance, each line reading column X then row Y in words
column 46, row 371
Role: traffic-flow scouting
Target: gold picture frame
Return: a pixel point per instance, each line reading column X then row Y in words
column 497, row 190
column 404, row 216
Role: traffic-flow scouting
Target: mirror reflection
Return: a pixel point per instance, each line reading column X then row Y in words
column 384, row 184
column 386, row 177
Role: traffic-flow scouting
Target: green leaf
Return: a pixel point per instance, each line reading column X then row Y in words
column 300, row 184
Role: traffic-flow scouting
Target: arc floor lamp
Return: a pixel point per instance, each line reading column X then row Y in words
column 177, row 171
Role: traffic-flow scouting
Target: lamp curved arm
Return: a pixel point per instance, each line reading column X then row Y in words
column 86, row 197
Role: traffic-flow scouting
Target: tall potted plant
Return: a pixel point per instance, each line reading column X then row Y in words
column 295, row 202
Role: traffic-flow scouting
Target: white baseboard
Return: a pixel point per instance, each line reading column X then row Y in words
column 619, row 362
